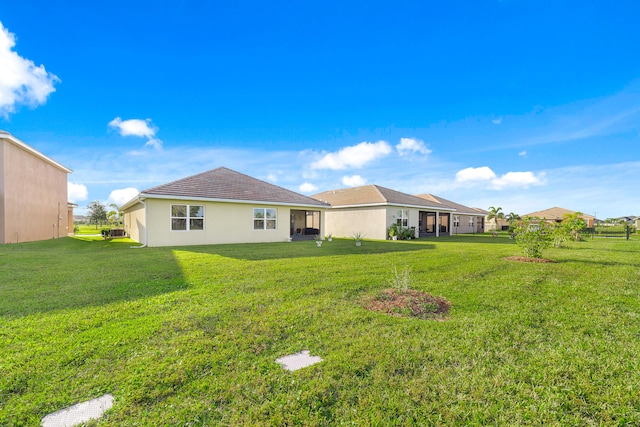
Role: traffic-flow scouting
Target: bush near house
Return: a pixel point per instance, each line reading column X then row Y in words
column 189, row 335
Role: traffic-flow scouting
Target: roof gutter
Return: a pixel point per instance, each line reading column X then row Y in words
column 393, row 204
column 209, row 199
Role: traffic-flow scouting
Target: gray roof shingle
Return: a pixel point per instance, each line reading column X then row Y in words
column 371, row 195
column 225, row 184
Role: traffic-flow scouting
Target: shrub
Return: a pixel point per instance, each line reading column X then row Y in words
column 533, row 235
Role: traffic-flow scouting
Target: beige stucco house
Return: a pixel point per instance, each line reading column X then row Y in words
column 372, row 209
column 221, row 206
column 463, row 219
column 33, row 194
column 557, row 214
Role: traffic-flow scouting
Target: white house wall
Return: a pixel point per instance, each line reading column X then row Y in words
column 223, row 223
column 344, row 222
column 134, row 223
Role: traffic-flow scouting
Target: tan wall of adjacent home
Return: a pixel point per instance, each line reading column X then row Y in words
column 372, row 221
column 464, row 226
column 223, row 223
column 33, row 196
column 134, row 223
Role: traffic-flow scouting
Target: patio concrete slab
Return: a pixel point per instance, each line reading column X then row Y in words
column 299, row 360
column 79, row 413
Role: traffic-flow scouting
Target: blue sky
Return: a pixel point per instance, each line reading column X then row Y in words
column 515, row 103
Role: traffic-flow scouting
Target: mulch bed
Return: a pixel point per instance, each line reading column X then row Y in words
column 409, row 303
column 526, row 259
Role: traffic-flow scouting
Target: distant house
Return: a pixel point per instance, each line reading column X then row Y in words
column 464, row 219
column 221, row 206
column 372, row 209
column 557, row 214
column 33, row 194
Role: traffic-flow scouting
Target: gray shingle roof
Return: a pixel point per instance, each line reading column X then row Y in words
column 372, row 195
column 226, row 184
column 449, row 204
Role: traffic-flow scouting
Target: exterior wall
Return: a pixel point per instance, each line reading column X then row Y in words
column 223, row 223
column 34, row 197
column 465, row 227
column 134, row 223
column 495, row 224
column 370, row 221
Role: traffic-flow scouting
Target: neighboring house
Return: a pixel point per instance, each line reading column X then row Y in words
column 464, row 219
column 221, row 206
column 33, row 194
column 371, row 209
column 557, row 214
column 494, row 224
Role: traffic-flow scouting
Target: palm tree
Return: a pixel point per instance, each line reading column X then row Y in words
column 512, row 218
column 495, row 214
column 115, row 214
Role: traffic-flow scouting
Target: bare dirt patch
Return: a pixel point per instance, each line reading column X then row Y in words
column 409, row 303
column 527, row 259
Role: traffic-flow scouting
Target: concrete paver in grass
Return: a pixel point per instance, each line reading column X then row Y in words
column 299, row 360
column 79, row 413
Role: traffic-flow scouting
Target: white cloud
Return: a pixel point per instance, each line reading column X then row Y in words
column 308, row 188
column 154, row 143
column 353, row 181
column 408, row 146
column 138, row 127
column 483, row 173
column 522, row 154
column 508, row 180
column 76, row 192
column 518, row 179
column 497, row 121
column 21, row 81
column 122, row 196
column 355, row 156
column 134, row 127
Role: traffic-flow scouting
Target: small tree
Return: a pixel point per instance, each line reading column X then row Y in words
column 97, row 213
column 114, row 215
column 533, row 235
column 574, row 223
column 560, row 234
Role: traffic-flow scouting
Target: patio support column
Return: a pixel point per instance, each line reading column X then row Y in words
column 437, row 224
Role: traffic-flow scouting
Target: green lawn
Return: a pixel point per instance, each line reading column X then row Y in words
column 189, row 336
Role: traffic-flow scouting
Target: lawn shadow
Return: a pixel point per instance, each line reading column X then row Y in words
column 79, row 272
column 307, row 249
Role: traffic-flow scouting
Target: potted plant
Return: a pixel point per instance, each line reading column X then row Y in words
column 393, row 232
column 329, row 237
column 318, row 241
column 358, row 236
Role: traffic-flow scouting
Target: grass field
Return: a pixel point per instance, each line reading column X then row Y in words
column 189, row 336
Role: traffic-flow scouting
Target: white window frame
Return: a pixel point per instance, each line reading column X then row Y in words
column 456, row 220
column 188, row 218
column 402, row 217
column 265, row 219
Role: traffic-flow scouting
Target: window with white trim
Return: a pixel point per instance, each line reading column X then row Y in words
column 402, row 217
column 265, row 218
column 470, row 221
column 456, row 221
column 187, row 217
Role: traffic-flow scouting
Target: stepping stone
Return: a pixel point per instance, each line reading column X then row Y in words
column 79, row 413
column 297, row 361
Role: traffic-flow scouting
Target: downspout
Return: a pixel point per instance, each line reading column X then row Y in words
column 146, row 234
